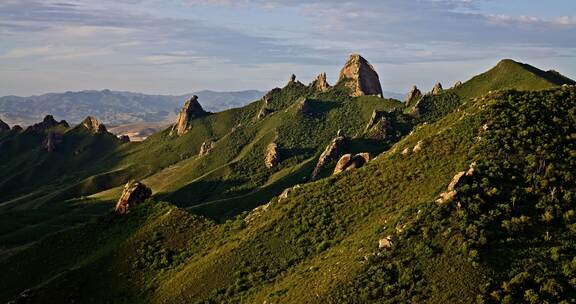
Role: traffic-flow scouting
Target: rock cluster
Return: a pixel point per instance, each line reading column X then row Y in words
column 360, row 77
column 4, row 126
column 47, row 123
column 451, row 192
column 191, row 110
column 134, row 193
column 93, row 125
column 320, row 83
column 413, row 96
column 206, row 147
column 52, row 141
column 272, row 157
column 437, row 89
column 380, row 125
column 330, row 154
column 349, row 162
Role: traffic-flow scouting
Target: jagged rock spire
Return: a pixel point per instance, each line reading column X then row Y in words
column 413, row 95
column 47, row 123
column 320, row 83
column 359, row 75
column 93, row 125
column 192, row 109
column 437, row 89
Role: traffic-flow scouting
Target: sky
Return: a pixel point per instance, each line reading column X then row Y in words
column 182, row 46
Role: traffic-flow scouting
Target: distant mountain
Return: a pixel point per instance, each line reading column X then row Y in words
column 114, row 107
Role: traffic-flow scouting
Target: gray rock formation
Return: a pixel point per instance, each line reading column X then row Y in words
column 206, row 147
column 413, row 95
column 191, row 110
column 320, row 84
column 52, row 141
column 93, row 125
column 437, row 89
column 272, row 157
column 47, row 123
column 360, row 77
column 134, row 193
column 330, row 154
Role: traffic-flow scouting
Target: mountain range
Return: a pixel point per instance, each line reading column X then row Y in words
column 312, row 193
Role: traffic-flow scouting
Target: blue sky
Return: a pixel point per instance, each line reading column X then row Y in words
column 180, row 46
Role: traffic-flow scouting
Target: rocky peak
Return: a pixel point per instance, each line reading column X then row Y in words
column 293, row 81
column 413, row 95
column 330, row 154
column 360, row 77
column 134, row 193
column 47, row 123
column 4, row 126
column 191, row 110
column 320, row 83
column 272, row 156
column 437, row 89
column 92, row 124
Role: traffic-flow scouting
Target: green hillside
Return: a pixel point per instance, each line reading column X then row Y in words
column 506, row 235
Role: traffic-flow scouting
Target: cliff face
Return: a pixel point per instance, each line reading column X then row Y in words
column 360, row 77
column 192, row 109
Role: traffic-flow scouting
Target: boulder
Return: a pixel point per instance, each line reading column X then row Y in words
column 191, row 110
column 349, row 162
column 284, row 195
column 360, row 77
column 451, row 192
column 47, row 123
column 413, row 96
column 272, row 157
column 134, row 193
column 206, row 147
column 93, row 125
column 4, row 127
column 437, row 89
column 320, row 84
column 330, row 154
column 385, row 243
column 52, row 141
column 418, row 146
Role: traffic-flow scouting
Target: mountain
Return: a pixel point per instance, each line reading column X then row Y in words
column 308, row 195
column 113, row 107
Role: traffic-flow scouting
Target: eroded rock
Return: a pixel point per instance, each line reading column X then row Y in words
column 134, row 193
column 380, row 125
column 206, row 147
column 191, row 110
column 413, row 96
column 437, row 89
column 330, row 154
column 349, row 162
column 360, row 77
column 272, row 157
column 320, row 83
column 93, row 125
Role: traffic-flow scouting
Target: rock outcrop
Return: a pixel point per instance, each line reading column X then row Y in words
column 124, row 139
column 292, row 81
column 264, row 112
column 272, row 157
column 134, row 193
column 320, row 84
column 360, row 77
column 92, row 124
column 330, row 154
column 270, row 96
column 451, row 192
column 47, row 123
column 191, row 110
column 437, row 89
column 52, row 141
column 380, row 125
column 349, row 162
column 457, row 84
column 206, row 147
column 303, row 106
column 413, row 95
column 385, row 243
column 4, row 127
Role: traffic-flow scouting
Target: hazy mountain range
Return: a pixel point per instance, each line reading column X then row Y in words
column 114, row 107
